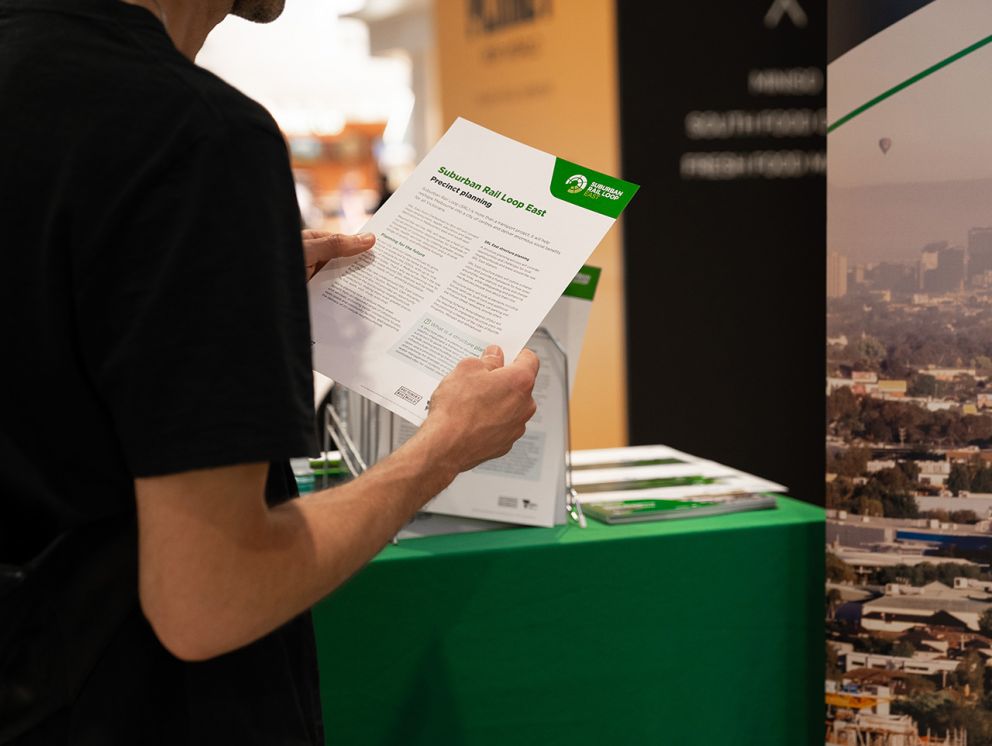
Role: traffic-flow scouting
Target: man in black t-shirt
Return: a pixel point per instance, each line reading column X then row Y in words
column 154, row 574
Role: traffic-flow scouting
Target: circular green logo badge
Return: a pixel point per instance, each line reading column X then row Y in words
column 576, row 183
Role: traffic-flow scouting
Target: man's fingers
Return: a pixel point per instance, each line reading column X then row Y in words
column 322, row 248
column 492, row 357
column 351, row 245
column 528, row 361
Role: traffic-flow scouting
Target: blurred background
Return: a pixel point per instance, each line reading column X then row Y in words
column 352, row 84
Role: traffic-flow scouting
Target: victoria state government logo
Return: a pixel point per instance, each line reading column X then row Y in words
column 576, row 183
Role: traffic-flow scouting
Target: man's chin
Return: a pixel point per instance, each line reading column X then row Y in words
column 258, row 11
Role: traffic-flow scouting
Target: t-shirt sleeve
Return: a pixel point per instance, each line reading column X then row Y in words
column 192, row 309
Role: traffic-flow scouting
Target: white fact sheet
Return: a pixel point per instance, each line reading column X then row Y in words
column 473, row 249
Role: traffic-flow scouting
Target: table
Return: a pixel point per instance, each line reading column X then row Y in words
column 703, row 631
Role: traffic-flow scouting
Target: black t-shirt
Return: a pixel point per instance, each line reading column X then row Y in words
column 154, row 321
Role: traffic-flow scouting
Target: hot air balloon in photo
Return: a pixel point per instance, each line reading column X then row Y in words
column 884, row 144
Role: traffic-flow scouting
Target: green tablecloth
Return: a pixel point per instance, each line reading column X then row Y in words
column 703, row 631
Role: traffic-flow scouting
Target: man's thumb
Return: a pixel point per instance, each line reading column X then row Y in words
column 343, row 245
column 492, row 357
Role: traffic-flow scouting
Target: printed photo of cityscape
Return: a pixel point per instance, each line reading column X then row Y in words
column 909, row 489
column 908, row 597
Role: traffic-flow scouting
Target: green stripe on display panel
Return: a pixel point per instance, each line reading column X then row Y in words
column 908, row 82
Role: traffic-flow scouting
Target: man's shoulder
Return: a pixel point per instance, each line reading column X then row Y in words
column 214, row 105
column 111, row 67
column 192, row 99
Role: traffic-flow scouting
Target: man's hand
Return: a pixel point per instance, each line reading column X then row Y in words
column 319, row 247
column 482, row 407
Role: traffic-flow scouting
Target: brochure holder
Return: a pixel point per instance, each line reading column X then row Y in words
column 364, row 432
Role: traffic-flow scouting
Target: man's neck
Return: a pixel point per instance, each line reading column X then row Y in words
column 187, row 22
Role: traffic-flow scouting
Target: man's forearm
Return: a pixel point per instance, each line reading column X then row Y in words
column 218, row 569
column 240, row 587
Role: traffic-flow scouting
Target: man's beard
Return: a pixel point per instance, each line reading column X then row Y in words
column 258, row 11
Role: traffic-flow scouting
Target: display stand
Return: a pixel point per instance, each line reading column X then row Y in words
column 364, row 432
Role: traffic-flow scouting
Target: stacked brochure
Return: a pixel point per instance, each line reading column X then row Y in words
column 646, row 483
column 653, row 509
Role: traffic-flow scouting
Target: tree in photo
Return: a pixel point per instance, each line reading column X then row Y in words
column 985, row 622
column 868, row 353
column 838, row 493
column 834, row 671
column 838, row 571
column 922, row 385
column 833, row 600
column 933, row 711
column 959, row 479
column 842, row 406
column 969, row 676
column 852, row 462
column 963, row 516
column 911, row 469
column 981, row 480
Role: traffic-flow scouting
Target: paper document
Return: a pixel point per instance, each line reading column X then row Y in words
column 527, row 485
column 473, row 249
column 657, row 472
column 568, row 318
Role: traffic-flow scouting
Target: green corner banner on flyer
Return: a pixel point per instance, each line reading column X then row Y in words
column 584, row 284
column 590, row 189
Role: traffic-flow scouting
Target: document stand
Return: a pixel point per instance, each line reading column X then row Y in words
column 363, row 432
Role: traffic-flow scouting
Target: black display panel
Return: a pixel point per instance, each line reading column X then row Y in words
column 723, row 125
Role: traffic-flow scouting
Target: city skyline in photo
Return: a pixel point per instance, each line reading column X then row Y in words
column 908, row 434
column 894, row 222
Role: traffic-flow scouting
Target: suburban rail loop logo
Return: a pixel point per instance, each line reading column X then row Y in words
column 576, row 183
